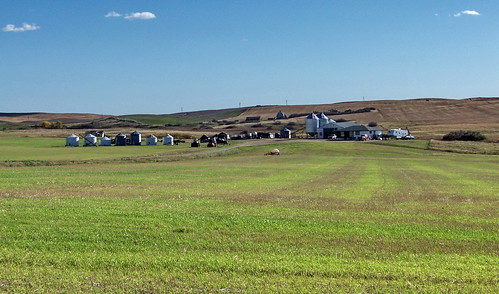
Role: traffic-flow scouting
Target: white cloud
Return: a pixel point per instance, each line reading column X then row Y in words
column 467, row 12
column 140, row 15
column 112, row 14
column 25, row 27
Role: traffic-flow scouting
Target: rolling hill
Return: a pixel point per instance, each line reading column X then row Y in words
column 426, row 117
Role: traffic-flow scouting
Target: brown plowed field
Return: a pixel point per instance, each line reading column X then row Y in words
column 413, row 112
column 36, row 118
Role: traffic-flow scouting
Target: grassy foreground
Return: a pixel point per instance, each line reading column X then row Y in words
column 322, row 217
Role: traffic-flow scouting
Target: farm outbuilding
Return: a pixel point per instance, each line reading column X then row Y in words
column 135, row 138
column 72, row 140
column 168, row 140
column 348, row 131
column 285, row 133
column 280, row 115
column 105, row 141
column 151, row 140
column 90, row 140
column 120, row 140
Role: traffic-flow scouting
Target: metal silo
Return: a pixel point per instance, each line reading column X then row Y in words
column 311, row 124
column 135, row 138
column 105, row 141
column 323, row 120
column 73, row 140
column 168, row 140
column 120, row 140
column 90, row 140
column 151, row 140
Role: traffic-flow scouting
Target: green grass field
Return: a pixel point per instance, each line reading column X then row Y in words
column 322, row 217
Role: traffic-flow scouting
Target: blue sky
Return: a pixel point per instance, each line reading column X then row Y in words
column 161, row 56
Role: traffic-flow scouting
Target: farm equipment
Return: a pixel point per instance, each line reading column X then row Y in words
column 195, row 143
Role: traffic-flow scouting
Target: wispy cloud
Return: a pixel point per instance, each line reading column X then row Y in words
column 467, row 12
column 25, row 27
column 113, row 14
column 140, row 15
column 134, row 15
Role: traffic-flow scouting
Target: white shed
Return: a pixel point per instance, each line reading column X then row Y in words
column 151, row 140
column 90, row 140
column 72, row 140
column 105, row 141
column 168, row 140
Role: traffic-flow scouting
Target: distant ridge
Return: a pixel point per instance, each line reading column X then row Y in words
column 431, row 117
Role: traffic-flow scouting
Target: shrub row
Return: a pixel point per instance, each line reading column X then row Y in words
column 464, row 136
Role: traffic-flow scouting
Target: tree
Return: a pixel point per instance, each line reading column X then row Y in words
column 464, row 136
column 45, row 124
column 57, row 125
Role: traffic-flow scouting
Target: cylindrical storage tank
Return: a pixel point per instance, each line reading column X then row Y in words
column 168, row 140
column 151, row 140
column 311, row 124
column 135, row 138
column 286, row 133
column 90, row 140
column 120, row 140
column 105, row 141
column 323, row 120
column 72, row 140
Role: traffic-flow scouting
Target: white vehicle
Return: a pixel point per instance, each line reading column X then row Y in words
column 398, row 133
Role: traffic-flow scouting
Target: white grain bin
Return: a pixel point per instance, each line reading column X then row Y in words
column 72, row 140
column 168, row 140
column 90, row 140
column 311, row 124
column 105, row 141
column 323, row 120
column 151, row 140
